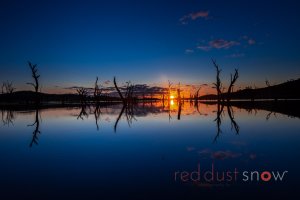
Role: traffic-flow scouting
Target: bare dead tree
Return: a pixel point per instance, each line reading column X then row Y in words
column 233, row 79
column 196, row 95
column 97, row 91
column 7, row 87
column 2, row 88
column 119, row 92
column 268, row 83
column 35, row 76
column 82, row 92
column 128, row 103
column 178, row 93
column 218, row 83
column 169, row 89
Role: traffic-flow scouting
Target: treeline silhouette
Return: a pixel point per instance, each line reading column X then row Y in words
column 129, row 94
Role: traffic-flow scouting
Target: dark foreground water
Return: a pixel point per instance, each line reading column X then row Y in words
column 152, row 152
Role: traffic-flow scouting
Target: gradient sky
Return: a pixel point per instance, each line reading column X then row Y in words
column 148, row 41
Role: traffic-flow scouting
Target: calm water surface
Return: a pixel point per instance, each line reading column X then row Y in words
column 81, row 153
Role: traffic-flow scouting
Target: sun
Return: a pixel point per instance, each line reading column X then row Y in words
column 172, row 97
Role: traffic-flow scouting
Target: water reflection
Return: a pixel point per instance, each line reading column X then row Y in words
column 36, row 132
column 8, row 117
column 161, row 109
column 150, row 140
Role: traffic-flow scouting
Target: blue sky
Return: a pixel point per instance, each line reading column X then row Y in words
column 148, row 41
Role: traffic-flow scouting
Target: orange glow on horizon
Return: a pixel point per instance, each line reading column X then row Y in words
column 172, row 102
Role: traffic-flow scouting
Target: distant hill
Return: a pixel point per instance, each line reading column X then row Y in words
column 27, row 97
column 287, row 90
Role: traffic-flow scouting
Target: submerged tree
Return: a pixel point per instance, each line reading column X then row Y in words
column 128, row 103
column 169, row 89
column 7, row 87
column 218, row 84
column 36, row 132
column 119, row 92
column 97, row 91
column 35, row 76
column 82, row 92
column 233, row 79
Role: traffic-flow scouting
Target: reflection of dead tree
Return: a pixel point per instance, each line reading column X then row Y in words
column 35, row 76
column 179, row 102
column 128, row 103
column 170, row 117
column 179, row 111
column 119, row 117
column 129, row 114
column 233, row 122
column 83, row 112
column 218, row 84
column 8, row 117
column 7, row 87
column 97, row 94
column 36, row 131
column 232, row 82
column 97, row 113
column 269, row 115
column 218, row 120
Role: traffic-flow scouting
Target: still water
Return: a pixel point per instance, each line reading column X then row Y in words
column 148, row 152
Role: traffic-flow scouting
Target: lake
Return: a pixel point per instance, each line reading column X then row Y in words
column 148, row 151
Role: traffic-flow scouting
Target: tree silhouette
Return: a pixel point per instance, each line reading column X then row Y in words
column 7, row 87
column 35, row 76
column 233, row 79
column 218, row 84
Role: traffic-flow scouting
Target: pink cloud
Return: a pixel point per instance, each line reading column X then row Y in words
column 251, row 41
column 222, row 155
column 194, row 16
column 200, row 14
column 222, row 44
column 218, row 44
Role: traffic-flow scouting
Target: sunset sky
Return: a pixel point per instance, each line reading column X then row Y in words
column 148, row 42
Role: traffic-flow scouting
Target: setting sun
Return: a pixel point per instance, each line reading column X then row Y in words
column 172, row 97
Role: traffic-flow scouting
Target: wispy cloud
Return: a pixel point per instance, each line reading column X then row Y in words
column 194, row 16
column 218, row 44
column 222, row 44
column 235, row 55
column 250, row 41
column 189, row 51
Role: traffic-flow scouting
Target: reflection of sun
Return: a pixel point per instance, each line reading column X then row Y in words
column 171, row 97
column 172, row 102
